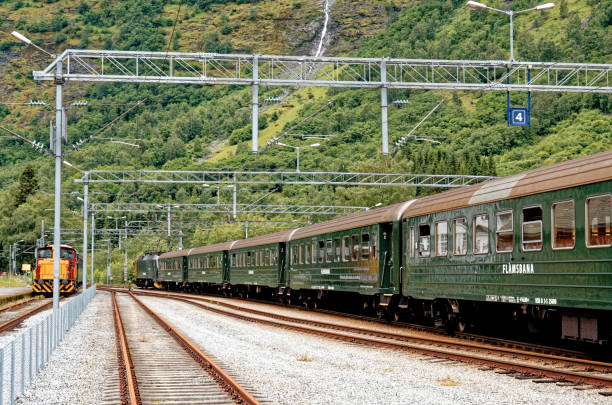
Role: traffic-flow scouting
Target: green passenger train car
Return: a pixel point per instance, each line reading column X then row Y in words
column 172, row 268
column 534, row 249
column 352, row 254
column 208, row 265
column 538, row 243
column 258, row 264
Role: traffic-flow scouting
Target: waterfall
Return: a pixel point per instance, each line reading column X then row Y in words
column 324, row 31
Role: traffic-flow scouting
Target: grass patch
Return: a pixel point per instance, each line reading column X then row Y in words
column 448, row 382
column 304, row 357
column 14, row 281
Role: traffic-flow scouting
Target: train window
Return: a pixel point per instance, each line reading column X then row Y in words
column 275, row 256
column 67, row 254
column 532, row 228
column 233, row 259
column 460, row 236
column 441, row 235
column 424, row 240
column 337, row 251
column 505, row 232
column 314, row 252
column 329, row 251
column 374, row 245
column 346, row 249
column 599, row 215
column 301, row 255
column 45, row 253
column 410, row 242
column 481, row 234
column 308, row 254
column 321, row 251
column 294, row 254
column 355, row 243
column 563, row 225
column 365, row 246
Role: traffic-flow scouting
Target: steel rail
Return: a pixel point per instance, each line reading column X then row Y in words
column 395, row 336
column 13, row 323
column 18, row 304
column 434, row 350
column 238, row 392
column 131, row 384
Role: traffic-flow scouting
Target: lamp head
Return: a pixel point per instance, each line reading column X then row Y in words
column 21, row 37
column 474, row 5
column 544, row 7
column 315, row 145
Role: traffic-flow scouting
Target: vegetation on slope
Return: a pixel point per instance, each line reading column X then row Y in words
column 189, row 127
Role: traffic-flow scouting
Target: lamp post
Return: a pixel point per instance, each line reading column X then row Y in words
column 57, row 152
column 85, row 201
column 297, row 148
column 474, row 5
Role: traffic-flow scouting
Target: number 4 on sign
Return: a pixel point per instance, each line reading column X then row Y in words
column 519, row 117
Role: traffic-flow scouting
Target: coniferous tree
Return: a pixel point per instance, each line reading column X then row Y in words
column 28, row 185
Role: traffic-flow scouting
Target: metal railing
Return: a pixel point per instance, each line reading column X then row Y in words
column 25, row 355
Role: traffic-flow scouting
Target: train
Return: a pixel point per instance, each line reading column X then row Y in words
column 71, row 267
column 532, row 250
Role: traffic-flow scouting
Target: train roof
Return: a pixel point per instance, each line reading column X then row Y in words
column 572, row 173
column 389, row 213
column 217, row 247
column 276, row 237
column 51, row 246
column 177, row 253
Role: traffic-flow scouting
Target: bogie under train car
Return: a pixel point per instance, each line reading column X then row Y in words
column 532, row 249
column 70, row 270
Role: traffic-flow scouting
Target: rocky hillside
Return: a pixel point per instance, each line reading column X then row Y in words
column 193, row 127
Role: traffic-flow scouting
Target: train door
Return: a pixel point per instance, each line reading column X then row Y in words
column 282, row 268
column 226, row 266
column 385, row 239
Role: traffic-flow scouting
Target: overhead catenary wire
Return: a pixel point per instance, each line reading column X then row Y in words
column 90, row 137
column 178, row 13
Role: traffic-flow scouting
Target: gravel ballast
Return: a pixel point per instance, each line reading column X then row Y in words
column 78, row 368
column 292, row 368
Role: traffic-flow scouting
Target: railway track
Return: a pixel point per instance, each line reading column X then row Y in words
column 535, row 365
column 494, row 341
column 23, row 313
column 159, row 365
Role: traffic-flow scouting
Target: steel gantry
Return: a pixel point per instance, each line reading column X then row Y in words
column 141, row 208
column 272, row 177
column 376, row 73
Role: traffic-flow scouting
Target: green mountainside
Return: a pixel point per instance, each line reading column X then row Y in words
column 208, row 128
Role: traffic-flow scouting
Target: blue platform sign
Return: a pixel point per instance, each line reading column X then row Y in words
column 520, row 117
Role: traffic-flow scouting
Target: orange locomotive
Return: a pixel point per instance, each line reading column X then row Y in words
column 70, row 270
